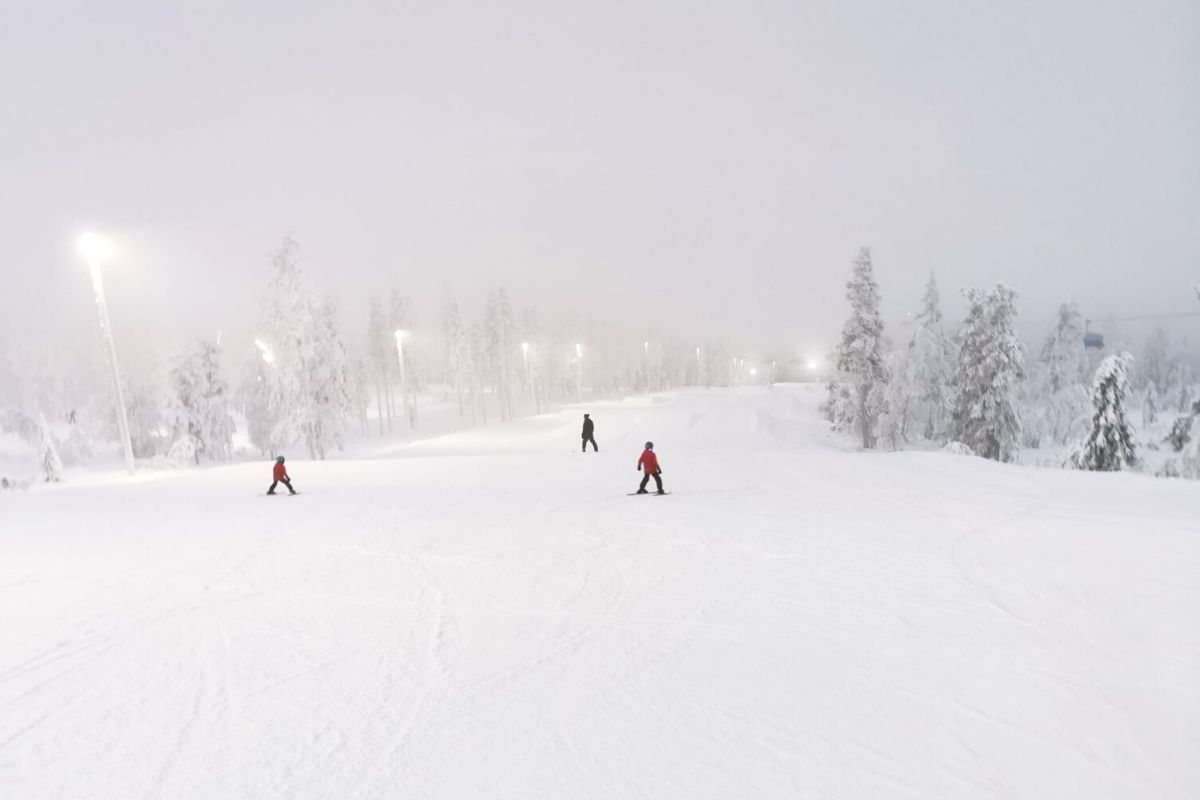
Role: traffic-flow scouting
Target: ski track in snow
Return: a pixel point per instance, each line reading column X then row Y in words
column 797, row 619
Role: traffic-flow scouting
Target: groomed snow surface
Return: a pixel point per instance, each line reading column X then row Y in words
column 489, row 615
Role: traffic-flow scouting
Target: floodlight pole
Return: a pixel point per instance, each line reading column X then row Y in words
column 106, row 328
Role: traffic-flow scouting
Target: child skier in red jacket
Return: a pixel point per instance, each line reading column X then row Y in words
column 280, row 476
column 648, row 464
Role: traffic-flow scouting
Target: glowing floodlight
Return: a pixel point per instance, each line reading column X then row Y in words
column 95, row 248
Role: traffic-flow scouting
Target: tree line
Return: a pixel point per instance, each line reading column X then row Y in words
column 973, row 391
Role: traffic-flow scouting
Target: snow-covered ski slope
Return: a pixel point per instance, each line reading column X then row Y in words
column 489, row 615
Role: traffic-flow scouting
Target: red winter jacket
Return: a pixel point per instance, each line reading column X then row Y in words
column 280, row 472
column 648, row 462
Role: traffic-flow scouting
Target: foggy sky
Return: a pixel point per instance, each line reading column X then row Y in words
column 704, row 168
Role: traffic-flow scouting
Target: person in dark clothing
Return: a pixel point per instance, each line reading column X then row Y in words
column 589, row 428
column 280, row 476
column 648, row 464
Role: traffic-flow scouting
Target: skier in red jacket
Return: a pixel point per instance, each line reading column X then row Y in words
column 648, row 464
column 280, row 476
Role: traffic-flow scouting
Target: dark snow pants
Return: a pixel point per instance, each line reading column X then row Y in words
column 285, row 482
column 590, row 438
column 646, row 479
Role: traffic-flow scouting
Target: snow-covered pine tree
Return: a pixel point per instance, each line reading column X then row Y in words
column 717, row 365
column 1063, row 375
column 1180, row 433
column 288, row 332
column 1108, row 446
column 500, row 339
column 331, row 382
column 145, row 398
column 380, row 346
column 217, row 425
column 199, row 407
column 458, row 354
column 361, row 394
column 182, row 406
column 991, row 366
column 860, row 355
column 674, row 363
column 478, row 353
column 892, row 402
column 1189, row 457
column 839, row 406
column 50, row 468
column 1150, row 403
column 929, row 369
column 1178, row 395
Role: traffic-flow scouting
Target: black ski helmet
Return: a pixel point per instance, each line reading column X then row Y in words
column 279, row 459
column 649, row 445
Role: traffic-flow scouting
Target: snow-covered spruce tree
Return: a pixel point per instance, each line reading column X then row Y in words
column 379, row 348
column 1063, row 375
column 458, row 354
column 145, row 398
column 717, row 365
column 361, row 378
column 860, row 355
column 929, row 369
column 1150, row 404
column 674, row 363
column 893, row 401
column 991, row 366
column 839, row 406
column 288, row 330
column 1180, row 434
column 199, row 406
column 1178, row 395
column 1189, row 460
column 500, row 340
column 1108, row 446
column 50, row 468
column 331, row 383
column 478, row 352
column 181, row 411
column 20, row 424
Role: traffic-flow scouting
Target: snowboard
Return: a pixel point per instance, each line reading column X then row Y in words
column 653, row 494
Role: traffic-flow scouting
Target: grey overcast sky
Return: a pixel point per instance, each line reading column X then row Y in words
column 714, row 165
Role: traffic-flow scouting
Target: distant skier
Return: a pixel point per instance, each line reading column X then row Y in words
column 648, row 465
column 280, row 475
column 589, row 429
